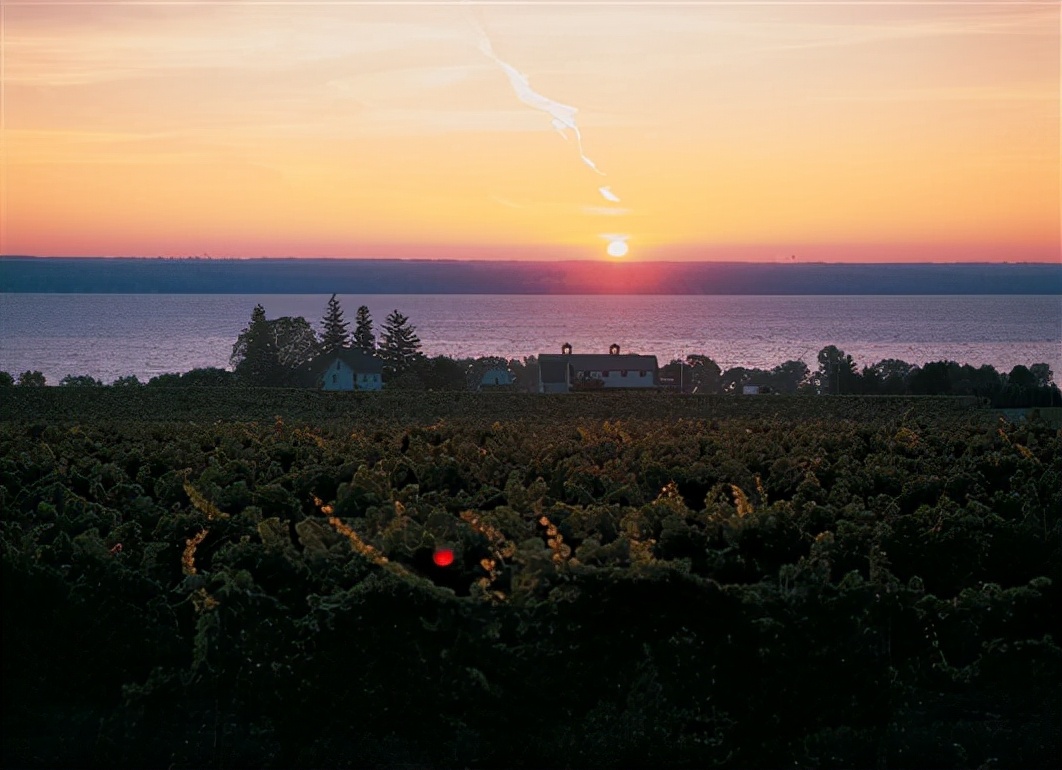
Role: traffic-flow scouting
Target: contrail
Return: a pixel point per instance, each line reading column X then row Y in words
column 608, row 195
column 563, row 114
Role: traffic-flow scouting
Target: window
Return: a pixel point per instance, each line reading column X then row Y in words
column 623, row 372
column 334, row 378
column 641, row 373
column 604, row 373
column 338, row 365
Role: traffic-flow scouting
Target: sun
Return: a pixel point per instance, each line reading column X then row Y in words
column 617, row 248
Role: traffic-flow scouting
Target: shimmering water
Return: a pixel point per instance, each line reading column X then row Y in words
column 107, row 336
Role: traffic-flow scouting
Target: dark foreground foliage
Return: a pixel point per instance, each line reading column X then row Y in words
column 642, row 585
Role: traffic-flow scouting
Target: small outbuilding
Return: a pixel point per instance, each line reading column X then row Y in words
column 496, row 377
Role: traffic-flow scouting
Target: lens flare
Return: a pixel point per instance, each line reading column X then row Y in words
column 443, row 557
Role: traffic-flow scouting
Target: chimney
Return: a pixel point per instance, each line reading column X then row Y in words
column 613, row 349
column 566, row 349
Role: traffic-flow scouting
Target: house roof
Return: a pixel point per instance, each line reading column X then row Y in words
column 360, row 362
column 585, row 362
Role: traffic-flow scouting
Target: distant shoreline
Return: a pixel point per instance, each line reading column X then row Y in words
column 155, row 275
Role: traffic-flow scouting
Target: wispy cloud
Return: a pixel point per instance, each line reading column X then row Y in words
column 606, row 211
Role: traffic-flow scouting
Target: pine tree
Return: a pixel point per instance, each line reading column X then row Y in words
column 399, row 344
column 335, row 335
column 255, row 358
column 364, row 337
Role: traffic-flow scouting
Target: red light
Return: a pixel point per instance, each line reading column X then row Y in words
column 443, row 557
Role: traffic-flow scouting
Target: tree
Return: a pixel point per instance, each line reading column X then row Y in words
column 934, row 379
column 255, row 358
column 890, row 377
column 734, row 378
column 129, row 381
column 364, row 337
column 272, row 352
column 336, row 336
column 1020, row 376
column 788, row 377
column 525, row 373
column 295, row 341
column 208, row 377
column 399, row 344
column 167, row 380
column 837, row 372
column 32, row 380
column 705, row 374
column 438, row 373
column 80, row 381
column 6, row 380
column 1042, row 374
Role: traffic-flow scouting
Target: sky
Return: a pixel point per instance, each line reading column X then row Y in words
column 777, row 131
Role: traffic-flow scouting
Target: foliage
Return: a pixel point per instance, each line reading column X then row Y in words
column 273, row 352
column 399, row 344
column 80, row 381
column 640, row 580
column 335, row 335
column 207, row 377
column 296, row 342
column 6, row 380
column 364, row 336
column 129, row 381
column 837, row 371
column 255, row 358
column 32, row 379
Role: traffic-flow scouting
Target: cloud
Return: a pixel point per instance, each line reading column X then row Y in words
column 563, row 115
column 605, row 211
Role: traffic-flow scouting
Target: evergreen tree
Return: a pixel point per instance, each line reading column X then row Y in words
column 364, row 337
column 336, row 336
column 255, row 358
column 399, row 344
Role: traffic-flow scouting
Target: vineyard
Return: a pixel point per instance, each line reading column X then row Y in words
column 222, row 578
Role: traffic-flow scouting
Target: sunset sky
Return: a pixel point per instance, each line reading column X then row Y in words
column 761, row 131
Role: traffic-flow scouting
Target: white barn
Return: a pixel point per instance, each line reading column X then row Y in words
column 586, row 371
column 348, row 369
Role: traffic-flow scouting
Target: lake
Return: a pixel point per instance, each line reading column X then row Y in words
column 110, row 335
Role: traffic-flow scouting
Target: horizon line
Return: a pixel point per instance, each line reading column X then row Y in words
column 454, row 260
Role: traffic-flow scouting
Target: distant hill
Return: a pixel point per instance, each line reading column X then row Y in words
column 324, row 276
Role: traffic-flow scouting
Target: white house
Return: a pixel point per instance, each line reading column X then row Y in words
column 348, row 369
column 587, row 371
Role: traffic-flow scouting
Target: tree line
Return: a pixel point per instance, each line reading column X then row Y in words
column 281, row 352
column 838, row 374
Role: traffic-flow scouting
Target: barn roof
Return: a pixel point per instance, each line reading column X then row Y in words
column 585, row 362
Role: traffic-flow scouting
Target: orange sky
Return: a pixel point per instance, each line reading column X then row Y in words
column 860, row 132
